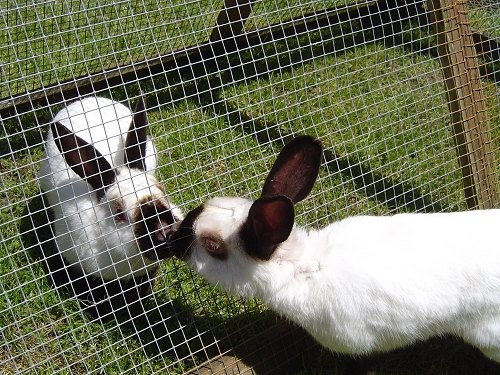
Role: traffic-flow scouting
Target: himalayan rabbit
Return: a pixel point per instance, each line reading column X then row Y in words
column 112, row 218
column 361, row 285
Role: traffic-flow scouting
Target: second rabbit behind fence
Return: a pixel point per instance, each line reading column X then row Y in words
column 111, row 217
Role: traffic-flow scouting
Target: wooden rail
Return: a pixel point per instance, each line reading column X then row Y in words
column 226, row 36
column 466, row 102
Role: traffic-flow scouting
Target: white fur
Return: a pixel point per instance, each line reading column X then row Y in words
column 86, row 232
column 367, row 283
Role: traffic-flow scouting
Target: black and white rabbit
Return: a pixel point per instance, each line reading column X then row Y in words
column 111, row 217
column 361, row 285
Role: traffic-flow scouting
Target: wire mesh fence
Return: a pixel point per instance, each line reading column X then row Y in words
column 225, row 86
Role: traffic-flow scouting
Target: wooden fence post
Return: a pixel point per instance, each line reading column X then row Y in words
column 231, row 19
column 466, row 101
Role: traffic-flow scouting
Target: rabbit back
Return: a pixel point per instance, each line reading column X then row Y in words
column 379, row 283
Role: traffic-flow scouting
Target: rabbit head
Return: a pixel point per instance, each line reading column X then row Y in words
column 128, row 198
column 226, row 239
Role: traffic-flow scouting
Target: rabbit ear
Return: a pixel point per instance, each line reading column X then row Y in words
column 269, row 223
column 135, row 143
column 295, row 170
column 83, row 158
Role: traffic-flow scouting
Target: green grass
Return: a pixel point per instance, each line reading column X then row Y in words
column 485, row 19
column 380, row 112
column 64, row 40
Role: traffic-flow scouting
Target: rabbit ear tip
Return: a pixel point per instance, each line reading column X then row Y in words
column 295, row 169
column 309, row 141
column 306, row 138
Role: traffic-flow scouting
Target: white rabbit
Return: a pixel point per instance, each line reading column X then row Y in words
column 360, row 285
column 111, row 216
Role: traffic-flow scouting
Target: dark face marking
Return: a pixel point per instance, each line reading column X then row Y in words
column 153, row 229
column 183, row 234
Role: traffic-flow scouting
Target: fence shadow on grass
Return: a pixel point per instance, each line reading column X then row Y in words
column 243, row 66
column 395, row 195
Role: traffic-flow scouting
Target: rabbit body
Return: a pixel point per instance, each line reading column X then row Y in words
column 360, row 285
column 368, row 284
column 94, row 233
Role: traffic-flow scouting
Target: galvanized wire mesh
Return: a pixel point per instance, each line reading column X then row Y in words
column 363, row 77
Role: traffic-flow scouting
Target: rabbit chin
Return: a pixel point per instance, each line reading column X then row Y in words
column 245, row 276
column 235, row 276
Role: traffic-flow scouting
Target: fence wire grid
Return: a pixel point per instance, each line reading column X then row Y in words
column 226, row 85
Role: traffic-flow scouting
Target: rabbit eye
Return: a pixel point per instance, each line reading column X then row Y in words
column 120, row 214
column 214, row 246
column 118, row 210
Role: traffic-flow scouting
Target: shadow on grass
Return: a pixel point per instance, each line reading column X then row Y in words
column 395, row 195
column 124, row 303
column 438, row 356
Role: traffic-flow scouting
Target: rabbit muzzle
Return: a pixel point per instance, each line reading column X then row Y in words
column 153, row 226
column 183, row 236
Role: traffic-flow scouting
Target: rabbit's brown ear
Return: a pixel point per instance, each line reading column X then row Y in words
column 135, row 143
column 83, row 158
column 269, row 223
column 295, row 170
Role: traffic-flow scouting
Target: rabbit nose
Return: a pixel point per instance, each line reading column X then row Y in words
column 164, row 237
column 174, row 228
column 164, row 231
column 161, row 234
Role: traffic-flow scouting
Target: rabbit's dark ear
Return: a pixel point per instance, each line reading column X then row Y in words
column 269, row 223
column 83, row 158
column 135, row 143
column 295, row 170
